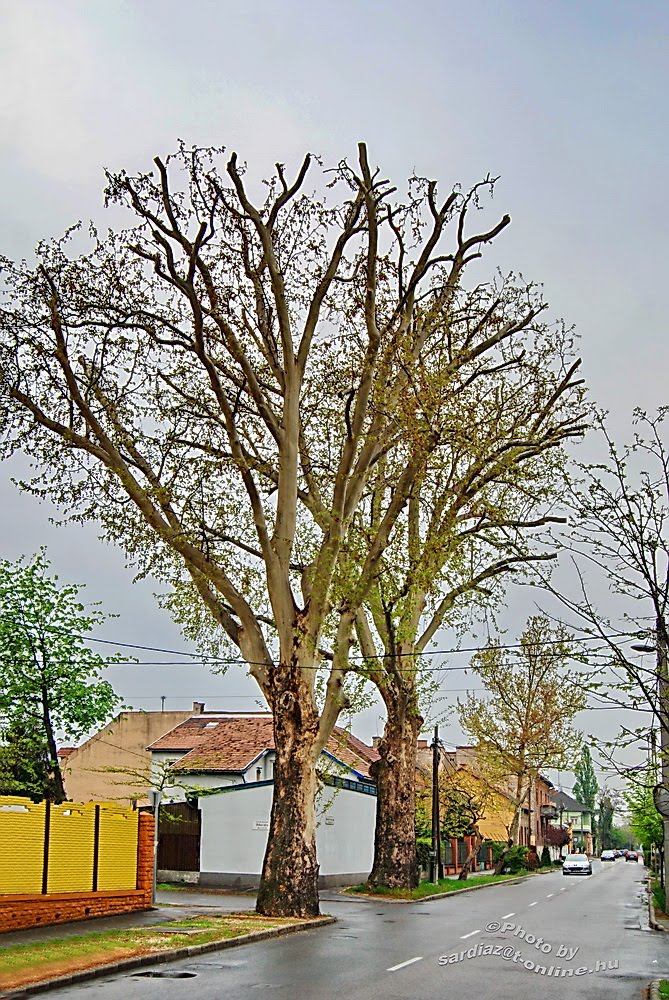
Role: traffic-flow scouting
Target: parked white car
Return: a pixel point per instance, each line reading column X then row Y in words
column 577, row 864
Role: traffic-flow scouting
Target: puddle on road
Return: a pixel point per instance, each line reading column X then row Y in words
column 164, row 974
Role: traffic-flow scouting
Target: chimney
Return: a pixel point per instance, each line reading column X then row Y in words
column 198, row 707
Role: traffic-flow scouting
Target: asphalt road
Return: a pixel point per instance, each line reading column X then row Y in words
column 551, row 936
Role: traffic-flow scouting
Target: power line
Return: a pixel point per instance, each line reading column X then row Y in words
column 197, row 659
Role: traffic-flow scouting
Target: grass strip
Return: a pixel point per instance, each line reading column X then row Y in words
column 22, row 964
column 443, row 886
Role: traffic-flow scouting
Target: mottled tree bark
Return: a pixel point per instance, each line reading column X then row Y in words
column 395, row 775
column 289, row 883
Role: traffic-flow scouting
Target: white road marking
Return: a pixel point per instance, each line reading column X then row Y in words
column 563, row 889
column 534, row 903
column 471, row 934
column 410, row 961
column 507, row 915
column 549, row 895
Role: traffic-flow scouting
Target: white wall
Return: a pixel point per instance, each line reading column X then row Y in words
column 234, row 830
column 235, row 826
column 345, row 832
column 190, row 782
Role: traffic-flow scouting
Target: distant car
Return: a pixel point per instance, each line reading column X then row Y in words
column 577, row 864
column 618, row 854
column 631, row 856
column 608, row 856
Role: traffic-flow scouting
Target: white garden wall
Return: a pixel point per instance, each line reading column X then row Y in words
column 235, row 826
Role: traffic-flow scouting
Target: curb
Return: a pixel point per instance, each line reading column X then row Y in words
column 177, row 954
column 364, row 897
column 654, row 991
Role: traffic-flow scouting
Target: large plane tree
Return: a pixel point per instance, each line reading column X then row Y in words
column 214, row 386
column 503, row 410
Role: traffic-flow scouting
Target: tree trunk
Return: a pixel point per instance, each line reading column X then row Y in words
column 54, row 765
column 467, row 867
column 515, row 825
column 395, row 775
column 289, row 881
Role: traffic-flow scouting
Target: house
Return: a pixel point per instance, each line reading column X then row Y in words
column 497, row 794
column 577, row 817
column 114, row 764
column 217, row 776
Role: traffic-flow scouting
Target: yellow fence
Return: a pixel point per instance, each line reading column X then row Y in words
column 72, row 847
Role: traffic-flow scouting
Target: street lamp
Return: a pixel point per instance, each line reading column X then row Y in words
column 155, row 795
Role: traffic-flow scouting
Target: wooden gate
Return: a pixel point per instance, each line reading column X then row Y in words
column 179, row 838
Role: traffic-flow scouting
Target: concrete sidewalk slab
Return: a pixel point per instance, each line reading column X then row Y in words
column 98, row 925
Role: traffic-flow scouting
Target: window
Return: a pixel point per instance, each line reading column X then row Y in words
column 258, row 774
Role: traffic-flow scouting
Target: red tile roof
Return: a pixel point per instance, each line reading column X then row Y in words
column 351, row 751
column 233, row 742
column 187, row 734
column 231, row 746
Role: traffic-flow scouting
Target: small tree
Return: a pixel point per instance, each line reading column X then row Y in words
column 645, row 821
column 557, row 836
column 619, row 525
column 526, row 723
column 50, row 681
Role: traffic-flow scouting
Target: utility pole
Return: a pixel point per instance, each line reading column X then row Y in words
column 155, row 795
column 663, row 711
column 661, row 795
column 436, row 867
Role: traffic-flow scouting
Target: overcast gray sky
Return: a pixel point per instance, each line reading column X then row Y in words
column 565, row 100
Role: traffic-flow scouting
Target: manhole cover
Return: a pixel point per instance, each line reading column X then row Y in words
column 164, row 974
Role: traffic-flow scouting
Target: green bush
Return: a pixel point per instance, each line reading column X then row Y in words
column 659, row 897
column 546, row 860
column 497, row 847
column 423, row 848
column 516, row 859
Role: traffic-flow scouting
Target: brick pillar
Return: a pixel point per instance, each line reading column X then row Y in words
column 469, row 843
column 145, row 855
column 454, row 850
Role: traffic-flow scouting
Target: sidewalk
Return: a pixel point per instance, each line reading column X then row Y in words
column 170, row 906
column 86, row 965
